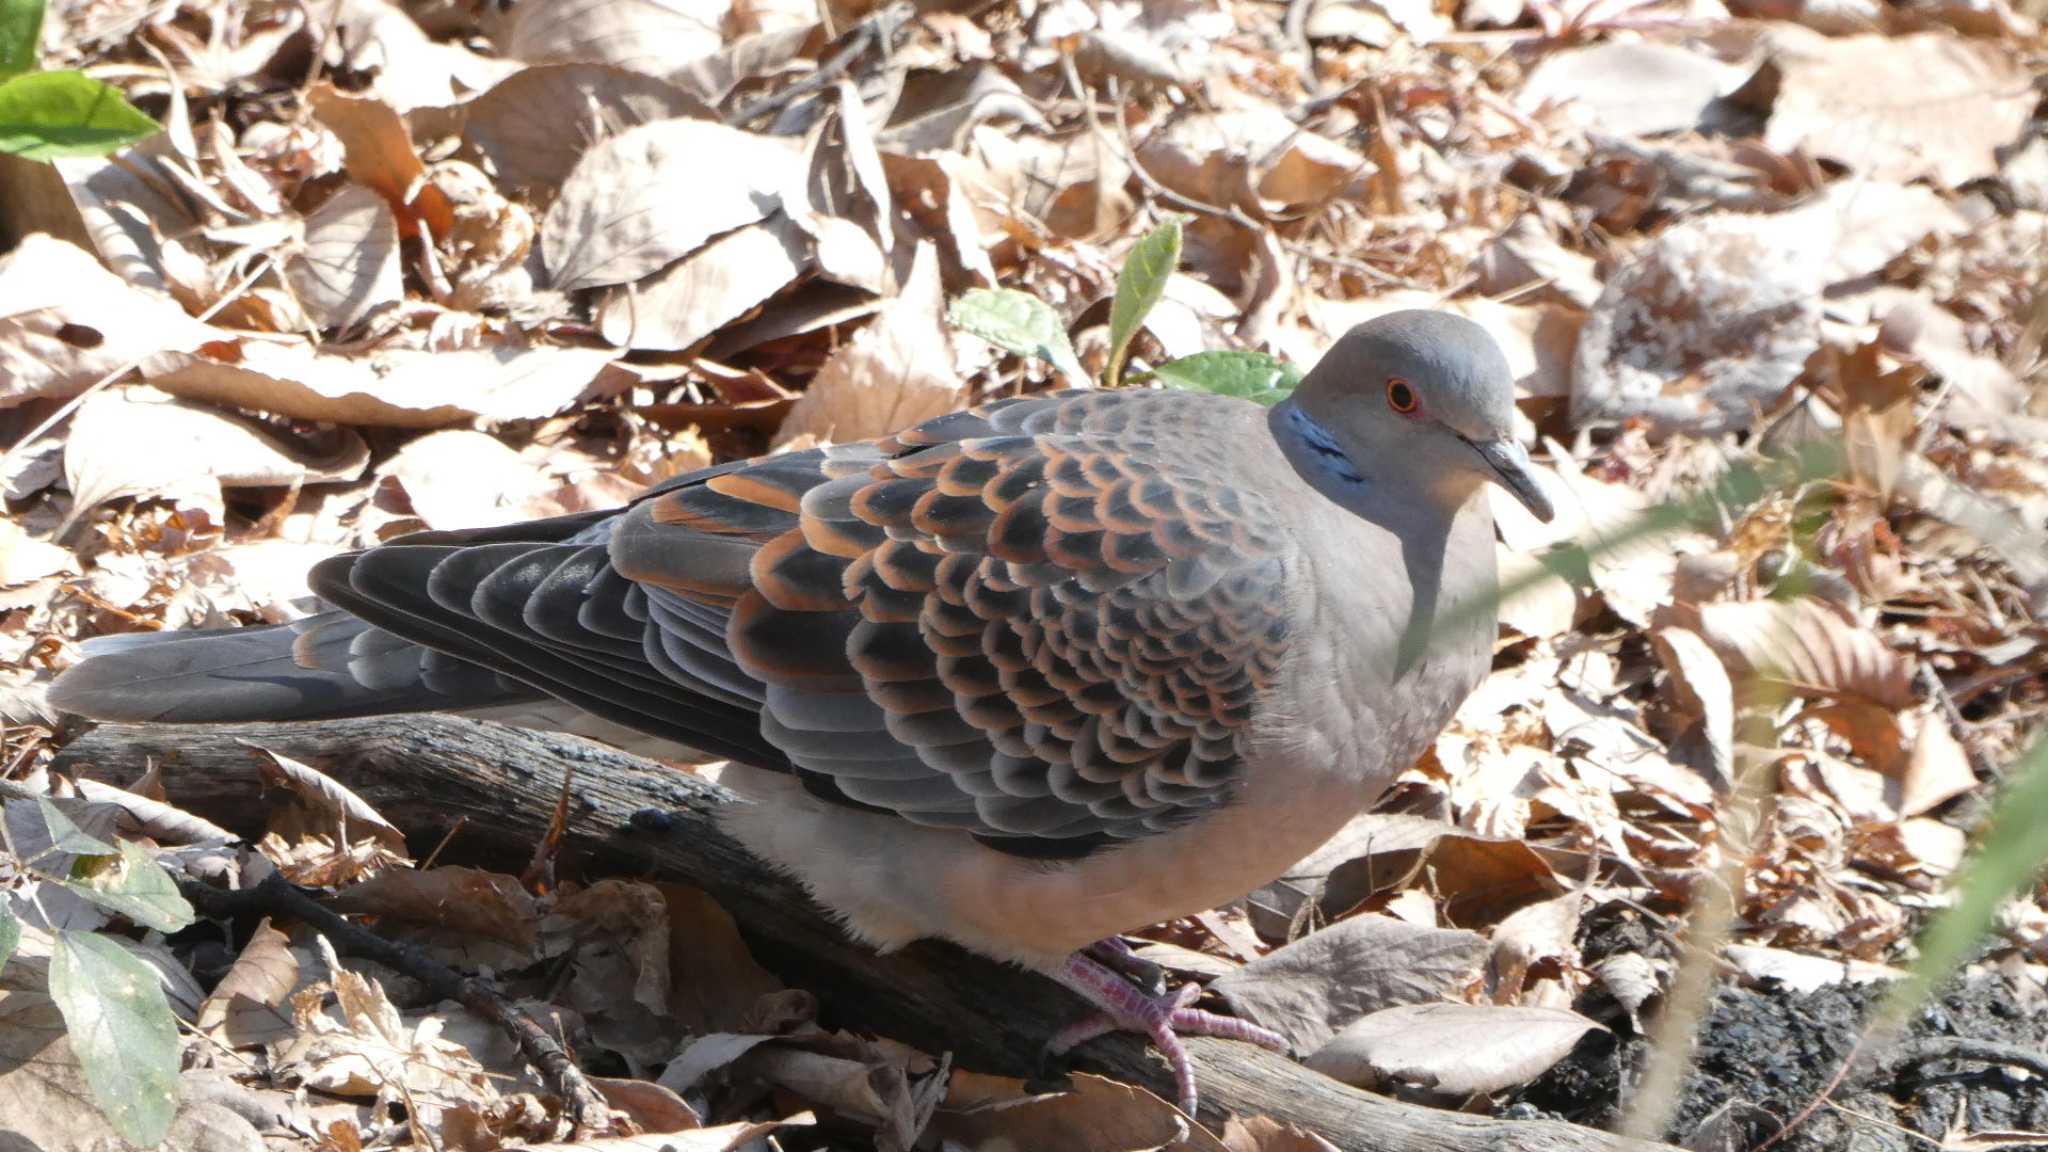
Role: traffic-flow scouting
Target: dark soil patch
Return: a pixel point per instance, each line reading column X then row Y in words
column 1766, row 1053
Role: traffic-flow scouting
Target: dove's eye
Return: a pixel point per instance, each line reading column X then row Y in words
column 1401, row 397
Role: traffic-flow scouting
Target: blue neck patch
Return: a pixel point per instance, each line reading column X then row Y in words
column 1322, row 446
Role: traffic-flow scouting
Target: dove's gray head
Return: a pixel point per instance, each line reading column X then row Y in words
column 1419, row 405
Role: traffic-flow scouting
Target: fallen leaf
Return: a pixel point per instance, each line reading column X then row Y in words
column 378, row 152
column 534, row 125
column 657, row 37
column 1936, row 771
column 1929, row 104
column 391, row 386
column 714, row 981
column 651, row 1108
column 1804, row 646
column 326, row 801
column 408, row 69
column 1456, row 1049
column 457, row 900
column 1632, row 87
column 349, row 265
column 894, row 373
column 1311, row 988
column 1802, row 972
column 65, row 321
column 640, row 199
column 1701, row 690
column 993, row 1114
column 1254, row 158
column 138, row 441
column 1547, row 931
column 691, row 299
column 246, row 1009
column 723, row 1138
column 371, row 1053
column 456, row 478
column 1265, row 1134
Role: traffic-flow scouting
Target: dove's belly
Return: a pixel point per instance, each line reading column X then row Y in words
column 891, row 882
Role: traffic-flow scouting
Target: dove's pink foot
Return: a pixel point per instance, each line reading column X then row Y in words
column 1164, row 1017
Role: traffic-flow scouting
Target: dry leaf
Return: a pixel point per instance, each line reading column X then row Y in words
column 1805, row 646
column 723, row 1138
column 1309, row 989
column 1264, row 1134
column 137, row 441
column 894, row 373
column 1937, row 770
column 1699, row 682
column 245, row 1010
column 1369, row 854
column 1899, row 108
column 372, row 1053
column 656, row 192
column 349, row 265
column 995, row 1114
column 690, row 300
column 714, row 982
column 391, row 386
column 457, row 478
column 1632, row 87
column 657, row 37
column 1452, row 1048
column 1530, row 936
column 1801, row 972
column 1877, row 222
column 535, row 125
column 409, row 69
column 462, row 901
column 1254, row 158
column 326, row 800
column 65, row 321
column 379, row 154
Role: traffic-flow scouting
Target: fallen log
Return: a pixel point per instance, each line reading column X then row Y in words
column 633, row 817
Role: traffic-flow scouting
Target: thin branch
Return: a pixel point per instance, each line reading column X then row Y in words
column 276, row 897
column 879, row 28
column 1128, row 153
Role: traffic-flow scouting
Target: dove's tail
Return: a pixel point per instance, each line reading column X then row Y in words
column 323, row 667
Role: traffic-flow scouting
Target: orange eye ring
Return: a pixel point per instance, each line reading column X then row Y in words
column 1401, row 396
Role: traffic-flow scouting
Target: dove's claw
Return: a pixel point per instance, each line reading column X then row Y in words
column 1164, row 1018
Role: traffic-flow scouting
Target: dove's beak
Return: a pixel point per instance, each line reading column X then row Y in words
column 1511, row 468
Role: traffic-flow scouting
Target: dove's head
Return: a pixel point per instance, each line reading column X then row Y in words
column 1420, row 401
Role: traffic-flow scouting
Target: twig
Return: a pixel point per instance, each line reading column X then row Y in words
column 879, row 28
column 1953, row 716
column 1128, row 153
column 1820, row 1098
column 277, row 897
column 1933, row 1049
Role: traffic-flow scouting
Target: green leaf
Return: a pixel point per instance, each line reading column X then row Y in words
column 1151, row 261
column 66, row 836
column 122, row 1030
column 44, row 115
column 136, row 886
column 1021, row 323
column 1247, row 375
column 10, row 935
column 21, row 36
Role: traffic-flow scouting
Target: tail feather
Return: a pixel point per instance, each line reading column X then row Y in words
column 323, row 667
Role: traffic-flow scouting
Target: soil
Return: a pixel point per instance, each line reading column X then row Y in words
column 1766, row 1052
